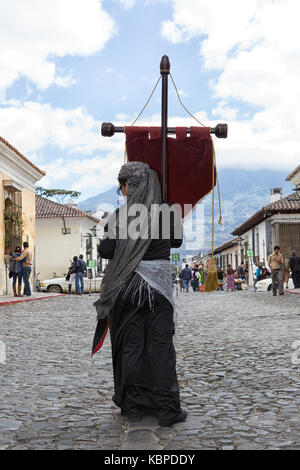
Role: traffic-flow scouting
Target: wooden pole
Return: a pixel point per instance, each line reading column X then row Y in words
column 164, row 70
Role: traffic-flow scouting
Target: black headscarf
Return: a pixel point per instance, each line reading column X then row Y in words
column 143, row 189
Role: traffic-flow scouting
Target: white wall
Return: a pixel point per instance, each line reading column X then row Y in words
column 260, row 229
column 53, row 250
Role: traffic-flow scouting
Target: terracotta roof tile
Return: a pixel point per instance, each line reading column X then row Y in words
column 288, row 204
column 22, row 156
column 45, row 208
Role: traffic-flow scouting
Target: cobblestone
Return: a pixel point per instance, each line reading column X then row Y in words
column 234, row 364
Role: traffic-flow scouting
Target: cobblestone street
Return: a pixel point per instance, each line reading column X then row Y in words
column 238, row 377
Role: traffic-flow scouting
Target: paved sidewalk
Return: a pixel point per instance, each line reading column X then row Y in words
column 237, row 362
column 293, row 291
column 10, row 299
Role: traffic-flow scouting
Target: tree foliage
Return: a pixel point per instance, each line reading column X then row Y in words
column 59, row 194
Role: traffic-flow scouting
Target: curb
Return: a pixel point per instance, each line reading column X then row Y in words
column 292, row 292
column 11, row 302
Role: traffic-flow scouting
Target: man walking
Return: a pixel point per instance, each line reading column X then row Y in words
column 241, row 271
column 26, row 258
column 276, row 263
column 186, row 276
column 79, row 277
column 195, row 279
column 294, row 264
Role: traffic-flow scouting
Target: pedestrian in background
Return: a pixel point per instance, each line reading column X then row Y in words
column 79, row 276
column 241, row 271
column 181, row 282
column 16, row 271
column 186, row 276
column 294, row 264
column 286, row 273
column 230, row 277
column 195, row 279
column 237, row 281
column 276, row 264
column 220, row 274
column 265, row 273
column 258, row 273
column 71, row 274
column 26, row 258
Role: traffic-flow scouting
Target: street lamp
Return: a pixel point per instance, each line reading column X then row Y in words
column 240, row 241
column 94, row 230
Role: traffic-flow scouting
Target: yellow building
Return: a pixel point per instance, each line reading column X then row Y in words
column 18, row 177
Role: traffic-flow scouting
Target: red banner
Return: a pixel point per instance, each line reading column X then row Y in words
column 190, row 160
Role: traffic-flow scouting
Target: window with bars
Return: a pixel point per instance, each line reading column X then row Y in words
column 13, row 218
column 289, row 238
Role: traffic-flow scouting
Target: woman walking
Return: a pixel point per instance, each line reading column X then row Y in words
column 230, row 277
column 71, row 274
column 16, row 271
column 136, row 300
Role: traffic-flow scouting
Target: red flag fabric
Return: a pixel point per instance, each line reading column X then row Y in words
column 190, row 160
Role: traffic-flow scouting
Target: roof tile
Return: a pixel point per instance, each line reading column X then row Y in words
column 288, row 204
column 46, row 208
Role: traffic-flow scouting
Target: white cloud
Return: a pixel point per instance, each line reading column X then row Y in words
column 224, row 111
column 127, row 4
column 255, row 51
column 181, row 93
column 65, row 80
column 91, row 162
column 31, row 126
column 89, row 175
column 86, row 160
column 34, row 32
column 222, row 26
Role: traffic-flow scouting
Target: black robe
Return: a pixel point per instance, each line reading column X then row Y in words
column 144, row 358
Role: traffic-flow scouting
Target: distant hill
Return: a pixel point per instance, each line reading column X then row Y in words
column 242, row 194
column 96, row 202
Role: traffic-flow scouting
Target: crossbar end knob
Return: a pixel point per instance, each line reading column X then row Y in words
column 107, row 129
column 221, row 131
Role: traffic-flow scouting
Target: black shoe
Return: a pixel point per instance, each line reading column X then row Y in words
column 179, row 418
column 274, row 293
column 134, row 416
column 281, row 293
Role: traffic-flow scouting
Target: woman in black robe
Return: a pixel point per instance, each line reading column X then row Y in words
column 139, row 308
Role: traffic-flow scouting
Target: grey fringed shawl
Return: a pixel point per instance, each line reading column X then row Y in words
column 151, row 276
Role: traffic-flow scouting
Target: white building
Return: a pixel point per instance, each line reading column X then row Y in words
column 277, row 223
column 224, row 254
column 18, row 177
column 62, row 231
column 294, row 178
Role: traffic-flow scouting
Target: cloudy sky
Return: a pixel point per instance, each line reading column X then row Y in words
column 68, row 65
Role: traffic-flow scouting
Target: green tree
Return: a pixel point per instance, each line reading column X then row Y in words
column 58, row 194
